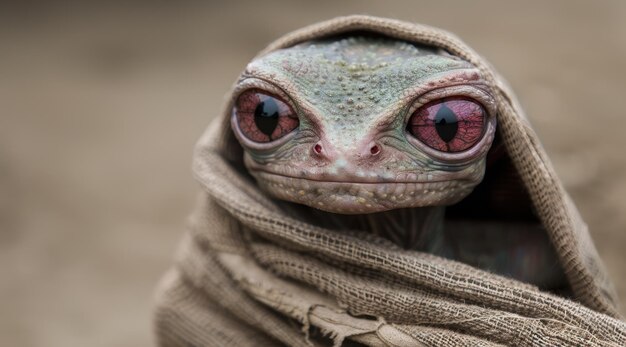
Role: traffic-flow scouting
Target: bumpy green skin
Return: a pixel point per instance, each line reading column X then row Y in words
column 353, row 97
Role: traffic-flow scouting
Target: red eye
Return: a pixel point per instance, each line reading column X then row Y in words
column 262, row 117
column 449, row 125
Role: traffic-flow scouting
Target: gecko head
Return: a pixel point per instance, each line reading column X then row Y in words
column 364, row 124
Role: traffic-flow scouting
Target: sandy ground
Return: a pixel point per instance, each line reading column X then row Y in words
column 100, row 107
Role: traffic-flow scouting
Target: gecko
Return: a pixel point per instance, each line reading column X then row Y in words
column 389, row 138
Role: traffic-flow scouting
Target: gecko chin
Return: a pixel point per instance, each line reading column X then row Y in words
column 362, row 197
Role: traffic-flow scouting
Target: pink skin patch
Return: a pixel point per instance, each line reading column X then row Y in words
column 246, row 108
column 449, row 125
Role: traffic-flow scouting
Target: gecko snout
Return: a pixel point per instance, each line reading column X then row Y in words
column 325, row 151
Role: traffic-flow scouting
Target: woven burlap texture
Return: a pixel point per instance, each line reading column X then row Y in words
column 249, row 274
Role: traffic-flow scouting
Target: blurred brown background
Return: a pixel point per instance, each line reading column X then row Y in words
column 100, row 106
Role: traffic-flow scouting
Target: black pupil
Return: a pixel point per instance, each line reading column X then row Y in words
column 446, row 123
column 266, row 116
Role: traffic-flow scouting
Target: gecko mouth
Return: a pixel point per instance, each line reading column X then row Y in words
column 353, row 179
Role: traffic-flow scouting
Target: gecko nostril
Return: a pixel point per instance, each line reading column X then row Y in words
column 375, row 149
column 317, row 148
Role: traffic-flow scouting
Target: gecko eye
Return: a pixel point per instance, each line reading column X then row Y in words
column 449, row 125
column 263, row 117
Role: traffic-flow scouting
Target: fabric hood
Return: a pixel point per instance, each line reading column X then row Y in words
column 249, row 273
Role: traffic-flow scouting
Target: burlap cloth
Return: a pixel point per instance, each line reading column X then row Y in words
column 250, row 274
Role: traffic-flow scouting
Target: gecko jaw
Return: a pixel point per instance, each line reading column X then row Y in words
column 362, row 197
